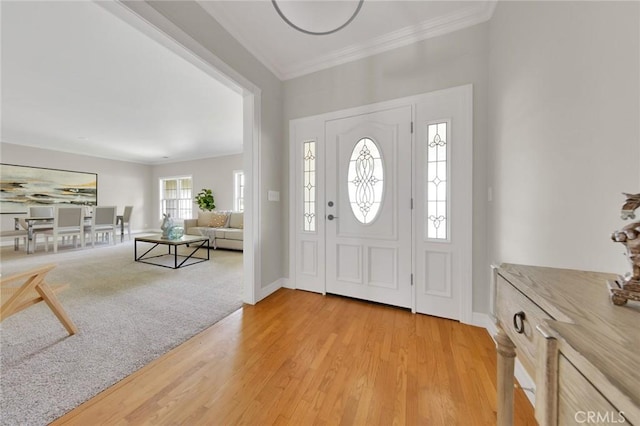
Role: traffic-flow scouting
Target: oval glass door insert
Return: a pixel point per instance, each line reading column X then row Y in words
column 365, row 180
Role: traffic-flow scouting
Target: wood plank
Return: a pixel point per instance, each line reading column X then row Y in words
column 303, row 358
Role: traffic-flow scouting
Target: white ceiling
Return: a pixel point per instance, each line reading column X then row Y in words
column 380, row 26
column 77, row 78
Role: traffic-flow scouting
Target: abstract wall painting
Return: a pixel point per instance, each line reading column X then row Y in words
column 22, row 187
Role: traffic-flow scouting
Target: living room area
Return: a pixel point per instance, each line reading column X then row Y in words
column 127, row 313
column 153, row 138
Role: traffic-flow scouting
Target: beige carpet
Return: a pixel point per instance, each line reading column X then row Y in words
column 128, row 313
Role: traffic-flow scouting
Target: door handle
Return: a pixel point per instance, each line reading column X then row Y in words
column 518, row 322
column 331, row 217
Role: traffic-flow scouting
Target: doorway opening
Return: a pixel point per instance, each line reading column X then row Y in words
column 149, row 21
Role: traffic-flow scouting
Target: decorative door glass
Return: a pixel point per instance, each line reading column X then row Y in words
column 437, row 212
column 365, row 180
column 309, row 186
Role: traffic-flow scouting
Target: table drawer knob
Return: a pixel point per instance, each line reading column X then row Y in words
column 518, row 322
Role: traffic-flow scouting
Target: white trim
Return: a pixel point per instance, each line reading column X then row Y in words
column 271, row 288
column 527, row 384
column 466, row 296
column 480, row 319
column 293, row 200
column 286, row 283
column 378, row 106
column 251, row 163
column 476, row 13
column 148, row 20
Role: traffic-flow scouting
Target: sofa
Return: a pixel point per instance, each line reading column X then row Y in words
column 224, row 229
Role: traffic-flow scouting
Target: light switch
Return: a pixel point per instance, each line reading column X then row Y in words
column 273, row 196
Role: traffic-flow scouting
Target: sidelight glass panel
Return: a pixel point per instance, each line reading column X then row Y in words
column 437, row 205
column 309, row 186
column 365, row 180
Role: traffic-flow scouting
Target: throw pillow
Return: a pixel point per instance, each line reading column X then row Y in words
column 204, row 218
column 218, row 220
column 211, row 219
column 236, row 221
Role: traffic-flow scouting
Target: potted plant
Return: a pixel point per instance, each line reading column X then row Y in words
column 205, row 200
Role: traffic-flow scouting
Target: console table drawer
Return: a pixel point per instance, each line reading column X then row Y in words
column 518, row 317
column 579, row 402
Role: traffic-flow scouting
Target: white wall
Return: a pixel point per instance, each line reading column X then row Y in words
column 450, row 60
column 565, row 136
column 213, row 173
column 120, row 183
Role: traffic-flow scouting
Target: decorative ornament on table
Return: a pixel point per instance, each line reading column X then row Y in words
column 176, row 232
column 167, row 224
column 624, row 289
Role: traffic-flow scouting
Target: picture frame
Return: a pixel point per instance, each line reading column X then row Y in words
column 24, row 186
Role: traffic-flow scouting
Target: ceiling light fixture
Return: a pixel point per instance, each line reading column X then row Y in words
column 294, row 10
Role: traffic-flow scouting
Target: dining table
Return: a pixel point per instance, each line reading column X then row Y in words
column 33, row 220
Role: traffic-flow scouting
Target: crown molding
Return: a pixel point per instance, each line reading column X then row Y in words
column 475, row 14
column 478, row 12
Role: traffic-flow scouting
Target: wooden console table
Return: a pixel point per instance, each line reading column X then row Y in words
column 583, row 351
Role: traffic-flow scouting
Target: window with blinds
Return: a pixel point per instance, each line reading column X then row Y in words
column 176, row 197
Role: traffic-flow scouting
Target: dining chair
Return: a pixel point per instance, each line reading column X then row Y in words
column 41, row 211
column 103, row 221
column 40, row 226
column 125, row 221
column 67, row 221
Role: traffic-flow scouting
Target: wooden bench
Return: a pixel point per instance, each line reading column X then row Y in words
column 16, row 234
column 33, row 290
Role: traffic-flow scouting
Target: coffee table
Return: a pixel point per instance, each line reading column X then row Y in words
column 186, row 240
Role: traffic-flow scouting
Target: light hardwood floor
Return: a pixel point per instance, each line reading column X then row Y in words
column 300, row 358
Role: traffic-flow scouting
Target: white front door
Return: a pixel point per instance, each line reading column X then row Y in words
column 358, row 172
column 368, row 206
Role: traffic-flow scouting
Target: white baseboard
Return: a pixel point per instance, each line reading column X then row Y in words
column 485, row 321
column 526, row 382
column 286, row 283
column 524, row 379
column 271, row 288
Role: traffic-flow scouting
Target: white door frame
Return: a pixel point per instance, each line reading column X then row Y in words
column 146, row 19
column 466, row 301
